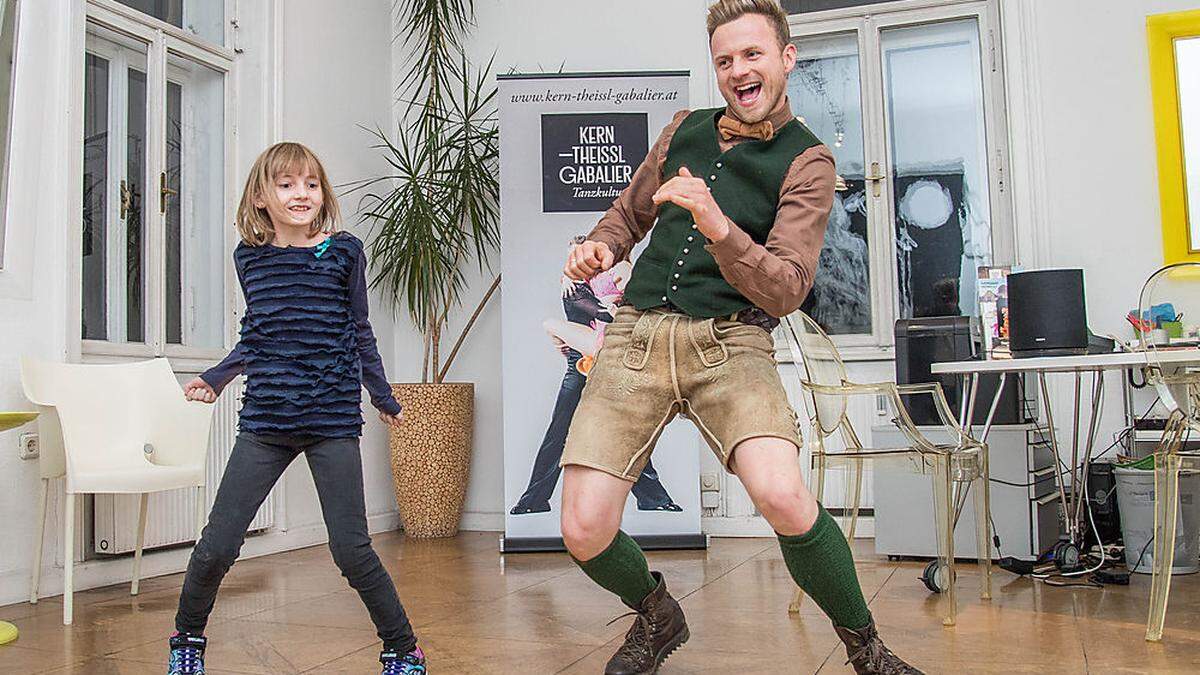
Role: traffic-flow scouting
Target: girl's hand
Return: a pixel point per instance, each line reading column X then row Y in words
column 393, row 421
column 199, row 390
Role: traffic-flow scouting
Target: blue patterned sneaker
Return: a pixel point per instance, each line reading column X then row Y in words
column 395, row 663
column 187, row 654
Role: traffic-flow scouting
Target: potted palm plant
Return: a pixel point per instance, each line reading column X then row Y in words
column 433, row 215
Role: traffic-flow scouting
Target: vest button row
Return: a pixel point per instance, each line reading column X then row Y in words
column 719, row 165
column 713, row 177
column 664, row 299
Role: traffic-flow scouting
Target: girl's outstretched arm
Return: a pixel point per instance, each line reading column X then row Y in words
column 373, row 376
column 223, row 373
column 220, row 375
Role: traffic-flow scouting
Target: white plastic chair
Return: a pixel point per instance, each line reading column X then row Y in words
column 113, row 429
column 955, row 467
column 1179, row 391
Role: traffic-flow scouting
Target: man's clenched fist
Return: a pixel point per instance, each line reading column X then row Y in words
column 692, row 193
column 587, row 260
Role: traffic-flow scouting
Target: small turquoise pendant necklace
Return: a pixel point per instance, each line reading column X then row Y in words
column 322, row 247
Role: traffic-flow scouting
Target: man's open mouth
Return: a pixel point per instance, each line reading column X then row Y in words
column 747, row 94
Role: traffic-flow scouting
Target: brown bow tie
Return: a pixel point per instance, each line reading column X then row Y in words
column 731, row 127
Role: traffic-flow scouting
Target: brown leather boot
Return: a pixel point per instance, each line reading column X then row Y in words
column 658, row 630
column 868, row 655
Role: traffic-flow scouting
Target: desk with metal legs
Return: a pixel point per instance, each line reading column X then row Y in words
column 1068, row 552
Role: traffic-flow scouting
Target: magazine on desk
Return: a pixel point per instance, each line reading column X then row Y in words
column 992, row 289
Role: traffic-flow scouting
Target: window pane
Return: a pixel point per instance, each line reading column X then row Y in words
column 95, row 203
column 174, row 226
column 1187, row 76
column 805, row 6
column 196, row 223
column 934, row 105
column 824, row 89
column 113, row 243
column 203, row 18
column 133, row 195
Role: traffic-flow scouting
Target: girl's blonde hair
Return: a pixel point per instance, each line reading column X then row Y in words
column 254, row 223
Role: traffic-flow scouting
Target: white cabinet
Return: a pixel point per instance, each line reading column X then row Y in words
column 1024, row 500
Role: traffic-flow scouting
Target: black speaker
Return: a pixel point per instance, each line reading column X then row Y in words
column 1047, row 315
column 928, row 340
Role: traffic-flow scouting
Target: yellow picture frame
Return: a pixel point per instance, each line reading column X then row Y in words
column 1161, row 32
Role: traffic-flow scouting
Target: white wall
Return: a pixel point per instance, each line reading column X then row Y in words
column 333, row 74
column 33, row 281
column 1097, row 132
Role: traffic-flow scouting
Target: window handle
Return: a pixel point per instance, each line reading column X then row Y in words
column 164, row 192
column 875, row 177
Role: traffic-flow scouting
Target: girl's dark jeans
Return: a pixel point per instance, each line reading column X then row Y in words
column 255, row 465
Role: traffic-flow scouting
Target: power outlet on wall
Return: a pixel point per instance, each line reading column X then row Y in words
column 710, row 490
column 28, row 446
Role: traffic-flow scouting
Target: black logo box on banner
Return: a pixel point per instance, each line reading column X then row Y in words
column 588, row 158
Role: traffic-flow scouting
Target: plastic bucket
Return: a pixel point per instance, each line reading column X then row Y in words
column 1135, row 499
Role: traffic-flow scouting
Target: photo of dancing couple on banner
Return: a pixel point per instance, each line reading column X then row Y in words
column 588, row 306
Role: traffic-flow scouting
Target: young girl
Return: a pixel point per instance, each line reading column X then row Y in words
column 306, row 349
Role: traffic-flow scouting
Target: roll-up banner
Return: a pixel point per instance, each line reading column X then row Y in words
column 569, row 143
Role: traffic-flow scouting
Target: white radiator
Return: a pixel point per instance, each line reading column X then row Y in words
column 171, row 515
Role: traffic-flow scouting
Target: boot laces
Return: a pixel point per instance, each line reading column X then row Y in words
column 873, row 650
column 188, row 660
column 638, row 639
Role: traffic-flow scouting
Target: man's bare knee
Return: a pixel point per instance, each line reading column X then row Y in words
column 592, row 504
column 586, row 534
column 789, row 511
column 770, row 471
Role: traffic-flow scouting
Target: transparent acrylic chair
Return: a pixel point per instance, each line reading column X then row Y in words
column 1179, row 391
column 953, row 467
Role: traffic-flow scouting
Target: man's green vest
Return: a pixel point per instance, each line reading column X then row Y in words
column 745, row 182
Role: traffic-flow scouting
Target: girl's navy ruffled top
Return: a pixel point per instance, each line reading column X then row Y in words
column 306, row 346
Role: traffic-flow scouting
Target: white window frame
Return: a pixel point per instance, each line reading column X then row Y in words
column 162, row 39
column 866, row 22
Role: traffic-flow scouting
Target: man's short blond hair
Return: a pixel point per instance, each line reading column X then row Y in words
column 724, row 11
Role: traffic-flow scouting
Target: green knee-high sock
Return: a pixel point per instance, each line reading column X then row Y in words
column 821, row 563
column 621, row 569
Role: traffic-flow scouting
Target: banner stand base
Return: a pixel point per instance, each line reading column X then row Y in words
column 648, row 542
